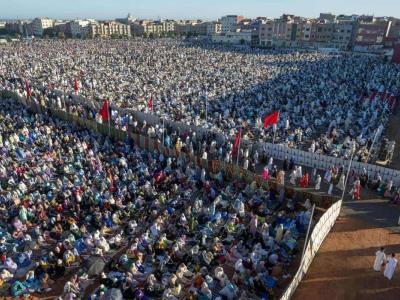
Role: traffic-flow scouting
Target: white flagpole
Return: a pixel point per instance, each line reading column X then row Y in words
column 372, row 145
column 238, row 150
column 206, row 96
column 109, row 117
column 275, row 127
column 347, row 176
column 163, row 132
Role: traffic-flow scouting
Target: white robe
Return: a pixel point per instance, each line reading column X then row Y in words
column 390, row 267
column 330, row 189
column 318, row 183
column 380, row 257
column 341, row 182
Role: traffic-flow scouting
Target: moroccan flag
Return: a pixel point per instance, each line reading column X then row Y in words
column 150, row 104
column 271, row 119
column 105, row 111
column 76, row 86
column 28, row 89
column 237, row 142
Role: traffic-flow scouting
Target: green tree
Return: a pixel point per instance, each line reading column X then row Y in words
column 49, row 32
column 61, row 35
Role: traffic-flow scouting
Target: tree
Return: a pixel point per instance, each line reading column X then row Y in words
column 48, row 32
column 61, row 35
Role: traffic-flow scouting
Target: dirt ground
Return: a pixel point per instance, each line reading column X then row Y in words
column 342, row 269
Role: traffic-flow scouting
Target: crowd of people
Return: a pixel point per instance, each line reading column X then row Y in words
column 327, row 103
column 71, row 199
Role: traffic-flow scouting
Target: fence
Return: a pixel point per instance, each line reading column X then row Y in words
column 312, row 160
column 320, row 231
column 323, row 162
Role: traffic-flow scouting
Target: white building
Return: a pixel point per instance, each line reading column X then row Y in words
column 39, row 24
column 213, row 28
column 78, row 27
column 266, row 33
column 237, row 37
column 230, row 23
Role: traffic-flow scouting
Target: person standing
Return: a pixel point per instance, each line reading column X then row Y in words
column 390, row 267
column 380, row 258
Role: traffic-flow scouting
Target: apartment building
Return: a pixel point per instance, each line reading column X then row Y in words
column 157, row 28
column 15, row 27
column 230, row 23
column 78, row 27
column 343, row 35
column 370, row 33
column 266, row 33
column 108, row 29
column 38, row 25
column 213, row 28
column 234, row 38
column 186, row 27
column 394, row 28
column 323, row 34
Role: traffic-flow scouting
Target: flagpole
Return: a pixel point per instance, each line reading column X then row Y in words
column 109, row 118
column 275, row 127
column 372, row 145
column 206, row 107
column 347, row 176
column 64, row 98
column 238, row 151
column 163, row 132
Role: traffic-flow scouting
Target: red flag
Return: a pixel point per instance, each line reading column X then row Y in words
column 150, row 104
column 105, row 111
column 76, row 86
column 28, row 89
column 271, row 119
column 237, row 142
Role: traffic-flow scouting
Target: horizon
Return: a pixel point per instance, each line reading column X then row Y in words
column 190, row 9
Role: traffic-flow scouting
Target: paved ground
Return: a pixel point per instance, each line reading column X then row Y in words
column 342, row 269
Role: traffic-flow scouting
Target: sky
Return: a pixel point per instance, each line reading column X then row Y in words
column 181, row 9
